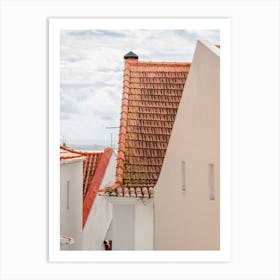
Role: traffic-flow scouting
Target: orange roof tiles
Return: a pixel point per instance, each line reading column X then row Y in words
column 66, row 154
column 151, row 95
column 95, row 183
column 89, row 168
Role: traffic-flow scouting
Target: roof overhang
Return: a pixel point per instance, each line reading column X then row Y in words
column 72, row 160
column 116, row 200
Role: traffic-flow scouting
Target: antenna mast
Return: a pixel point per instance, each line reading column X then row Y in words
column 112, row 127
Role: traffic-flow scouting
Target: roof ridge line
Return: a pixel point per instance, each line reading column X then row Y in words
column 80, row 152
column 161, row 63
column 122, row 130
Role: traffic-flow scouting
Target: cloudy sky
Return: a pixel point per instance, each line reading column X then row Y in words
column 92, row 75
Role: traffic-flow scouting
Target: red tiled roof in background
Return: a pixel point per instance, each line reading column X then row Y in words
column 89, row 165
column 66, row 154
column 151, row 95
column 89, row 169
column 94, row 168
column 96, row 182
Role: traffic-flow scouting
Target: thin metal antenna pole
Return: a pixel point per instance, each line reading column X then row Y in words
column 112, row 127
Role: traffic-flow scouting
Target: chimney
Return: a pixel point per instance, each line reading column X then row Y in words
column 131, row 55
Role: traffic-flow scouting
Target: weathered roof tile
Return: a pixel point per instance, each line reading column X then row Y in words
column 151, row 95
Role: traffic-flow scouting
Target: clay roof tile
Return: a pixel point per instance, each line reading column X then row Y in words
column 151, row 95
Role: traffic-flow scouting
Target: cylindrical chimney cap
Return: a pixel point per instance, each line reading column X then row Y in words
column 131, row 55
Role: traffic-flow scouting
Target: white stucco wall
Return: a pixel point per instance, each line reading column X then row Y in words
column 132, row 225
column 71, row 203
column 144, row 225
column 100, row 216
column 123, row 227
column 97, row 224
column 189, row 220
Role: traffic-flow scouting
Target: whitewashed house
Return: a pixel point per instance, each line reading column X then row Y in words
column 187, row 194
column 71, row 199
column 85, row 216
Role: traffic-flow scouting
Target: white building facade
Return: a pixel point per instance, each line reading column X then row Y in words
column 85, row 220
column 71, row 201
column 132, row 225
column 187, row 194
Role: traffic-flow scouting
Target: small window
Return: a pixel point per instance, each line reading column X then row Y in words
column 68, row 195
column 183, row 171
column 211, row 181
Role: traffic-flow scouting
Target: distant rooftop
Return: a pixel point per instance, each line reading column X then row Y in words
column 94, row 168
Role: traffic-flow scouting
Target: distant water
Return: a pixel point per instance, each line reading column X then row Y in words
column 89, row 144
column 80, row 147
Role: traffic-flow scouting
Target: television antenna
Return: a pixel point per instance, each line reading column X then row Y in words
column 111, row 127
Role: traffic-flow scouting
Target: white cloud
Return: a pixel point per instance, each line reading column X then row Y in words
column 92, row 72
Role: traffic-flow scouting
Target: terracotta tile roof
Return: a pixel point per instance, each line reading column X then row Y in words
column 89, row 169
column 151, row 96
column 94, row 168
column 95, row 183
column 66, row 154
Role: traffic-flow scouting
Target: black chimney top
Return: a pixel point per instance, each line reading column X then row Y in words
column 131, row 55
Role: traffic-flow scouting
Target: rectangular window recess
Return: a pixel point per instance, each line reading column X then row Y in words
column 183, row 173
column 211, row 181
column 68, row 195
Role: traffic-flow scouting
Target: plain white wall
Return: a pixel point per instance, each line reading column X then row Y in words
column 144, row 225
column 97, row 224
column 123, row 226
column 141, row 216
column 71, row 219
